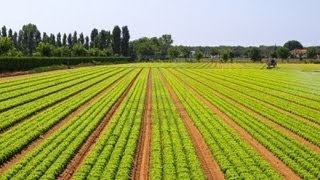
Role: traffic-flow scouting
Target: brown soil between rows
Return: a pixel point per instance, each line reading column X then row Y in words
column 280, row 109
column 57, row 126
column 209, row 165
column 142, row 160
column 266, row 120
column 83, row 152
column 276, row 163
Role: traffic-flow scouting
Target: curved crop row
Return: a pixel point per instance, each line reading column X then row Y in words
column 50, row 158
column 306, row 131
column 10, row 117
column 233, row 154
column 299, row 158
column 172, row 153
column 11, row 103
column 13, row 140
column 114, row 151
column 298, row 109
column 51, row 82
column 306, row 102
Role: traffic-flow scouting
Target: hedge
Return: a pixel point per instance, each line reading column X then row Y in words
column 9, row 64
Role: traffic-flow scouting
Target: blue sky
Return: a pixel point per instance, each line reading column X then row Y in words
column 191, row 22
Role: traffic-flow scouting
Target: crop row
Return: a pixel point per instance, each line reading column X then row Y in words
column 50, row 158
column 114, row 152
column 19, row 82
column 54, row 81
column 299, row 158
column 234, row 155
column 307, row 131
column 300, row 110
column 172, row 153
column 265, row 80
column 16, row 138
column 267, row 90
column 10, row 117
column 274, row 87
column 11, row 103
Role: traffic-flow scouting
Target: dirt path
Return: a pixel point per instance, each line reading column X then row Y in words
column 78, row 158
column 57, row 126
column 209, row 165
column 276, row 163
column 142, row 160
column 265, row 119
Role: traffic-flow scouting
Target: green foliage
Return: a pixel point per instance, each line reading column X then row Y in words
column 255, row 54
column 125, row 41
column 6, row 45
column 293, row 44
column 173, row 52
column 312, row 53
column 283, row 53
column 78, row 50
column 198, row 54
column 116, row 40
column 45, row 49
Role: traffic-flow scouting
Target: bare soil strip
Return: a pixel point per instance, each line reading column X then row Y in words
column 78, row 158
column 142, row 160
column 276, row 163
column 57, row 126
column 209, row 165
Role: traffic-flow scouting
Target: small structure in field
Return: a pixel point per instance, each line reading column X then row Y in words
column 271, row 63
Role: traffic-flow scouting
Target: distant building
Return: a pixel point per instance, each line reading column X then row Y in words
column 299, row 53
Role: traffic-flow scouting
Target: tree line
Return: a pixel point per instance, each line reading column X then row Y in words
column 29, row 41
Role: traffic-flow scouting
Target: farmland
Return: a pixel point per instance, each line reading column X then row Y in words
column 162, row 121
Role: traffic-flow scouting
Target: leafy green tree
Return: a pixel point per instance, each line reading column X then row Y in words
column 64, row 39
column 59, row 43
column 225, row 56
column 312, row 53
column 52, row 39
column 283, row 53
column 125, row 41
column 165, row 42
column 93, row 36
column 198, row 54
column 6, row 44
column 15, row 39
column 75, row 38
column 69, row 39
column 185, row 51
column 102, row 39
column 116, row 40
column 86, row 44
column 214, row 51
column 10, row 33
column 38, row 37
column 231, row 55
column 79, row 50
column 4, row 31
column 173, row 52
column 255, row 54
column 293, row 44
column 81, row 39
column 45, row 38
column 93, row 52
column 45, row 49
column 29, row 41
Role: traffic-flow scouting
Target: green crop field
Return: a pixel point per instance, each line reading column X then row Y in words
column 162, row 121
